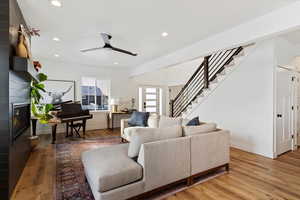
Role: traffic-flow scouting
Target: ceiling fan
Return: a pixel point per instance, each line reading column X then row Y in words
column 106, row 38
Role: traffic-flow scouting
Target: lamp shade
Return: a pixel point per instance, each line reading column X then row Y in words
column 114, row 101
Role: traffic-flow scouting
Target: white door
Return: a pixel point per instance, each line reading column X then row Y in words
column 285, row 116
column 150, row 99
column 297, row 142
column 295, row 83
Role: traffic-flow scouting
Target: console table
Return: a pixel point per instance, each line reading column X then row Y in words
column 113, row 116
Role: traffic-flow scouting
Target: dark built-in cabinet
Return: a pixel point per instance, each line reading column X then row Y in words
column 14, row 101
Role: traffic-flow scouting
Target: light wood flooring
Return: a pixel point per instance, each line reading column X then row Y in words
column 250, row 177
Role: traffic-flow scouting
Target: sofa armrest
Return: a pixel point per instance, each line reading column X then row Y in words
column 165, row 161
column 124, row 124
column 209, row 150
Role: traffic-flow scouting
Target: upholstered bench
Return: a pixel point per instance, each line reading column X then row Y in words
column 110, row 167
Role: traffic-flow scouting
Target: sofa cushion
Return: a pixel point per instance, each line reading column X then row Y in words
column 145, row 135
column 153, row 121
column 165, row 121
column 128, row 132
column 202, row 128
column 108, row 168
column 139, row 119
column 194, row 122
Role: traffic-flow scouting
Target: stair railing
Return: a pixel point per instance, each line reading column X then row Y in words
column 208, row 70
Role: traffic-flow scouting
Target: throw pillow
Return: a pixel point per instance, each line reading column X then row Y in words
column 202, row 128
column 138, row 119
column 145, row 135
column 194, row 122
column 169, row 121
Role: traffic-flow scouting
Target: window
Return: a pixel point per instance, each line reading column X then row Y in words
column 94, row 93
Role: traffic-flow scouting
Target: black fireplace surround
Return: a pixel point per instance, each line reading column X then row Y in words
column 20, row 119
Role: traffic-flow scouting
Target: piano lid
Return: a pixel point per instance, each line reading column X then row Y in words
column 72, row 110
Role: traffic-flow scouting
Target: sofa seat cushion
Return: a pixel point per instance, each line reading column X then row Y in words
column 110, row 167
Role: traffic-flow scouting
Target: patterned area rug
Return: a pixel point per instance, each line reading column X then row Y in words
column 70, row 178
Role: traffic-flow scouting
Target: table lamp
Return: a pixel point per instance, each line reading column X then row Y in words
column 114, row 102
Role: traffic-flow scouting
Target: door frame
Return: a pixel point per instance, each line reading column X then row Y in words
column 295, row 138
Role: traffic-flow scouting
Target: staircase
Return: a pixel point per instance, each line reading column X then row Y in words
column 206, row 78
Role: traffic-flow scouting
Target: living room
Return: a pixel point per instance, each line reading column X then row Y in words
column 149, row 100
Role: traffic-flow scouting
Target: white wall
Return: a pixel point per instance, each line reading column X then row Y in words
column 285, row 52
column 171, row 76
column 243, row 103
column 121, row 86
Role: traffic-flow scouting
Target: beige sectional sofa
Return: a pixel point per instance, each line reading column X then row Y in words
column 145, row 164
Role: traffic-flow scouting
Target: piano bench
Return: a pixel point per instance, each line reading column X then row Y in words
column 76, row 125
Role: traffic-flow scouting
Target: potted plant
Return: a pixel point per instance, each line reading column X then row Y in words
column 39, row 111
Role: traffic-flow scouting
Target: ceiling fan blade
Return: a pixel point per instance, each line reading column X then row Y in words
column 123, row 51
column 91, row 49
column 106, row 38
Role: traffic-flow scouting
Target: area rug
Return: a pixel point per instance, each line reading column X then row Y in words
column 70, row 177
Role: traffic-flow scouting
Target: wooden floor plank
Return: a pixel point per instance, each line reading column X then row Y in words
column 251, row 176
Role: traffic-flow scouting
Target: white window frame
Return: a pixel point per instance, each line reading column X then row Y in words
column 95, row 94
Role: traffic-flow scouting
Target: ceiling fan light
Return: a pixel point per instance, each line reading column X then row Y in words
column 56, row 3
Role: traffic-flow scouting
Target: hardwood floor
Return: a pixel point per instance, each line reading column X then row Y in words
column 250, row 177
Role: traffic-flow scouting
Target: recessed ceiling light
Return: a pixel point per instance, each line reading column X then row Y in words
column 164, row 34
column 56, row 3
column 56, row 55
column 116, row 63
column 56, row 39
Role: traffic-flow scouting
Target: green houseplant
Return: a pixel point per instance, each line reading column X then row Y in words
column 38, row 110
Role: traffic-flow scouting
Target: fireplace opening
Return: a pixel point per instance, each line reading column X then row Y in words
column 20, row 119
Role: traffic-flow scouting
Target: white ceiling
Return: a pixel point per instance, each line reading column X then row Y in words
column 135, row 25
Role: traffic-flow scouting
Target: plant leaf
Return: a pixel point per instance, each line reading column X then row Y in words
column 40, row 86
column 48, row 108
column 42, row 77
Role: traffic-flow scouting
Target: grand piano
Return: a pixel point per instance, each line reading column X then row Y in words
column 72, row 115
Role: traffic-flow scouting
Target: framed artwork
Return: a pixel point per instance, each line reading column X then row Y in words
column 58, row 91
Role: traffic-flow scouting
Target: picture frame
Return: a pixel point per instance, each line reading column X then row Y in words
column 58, row 91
